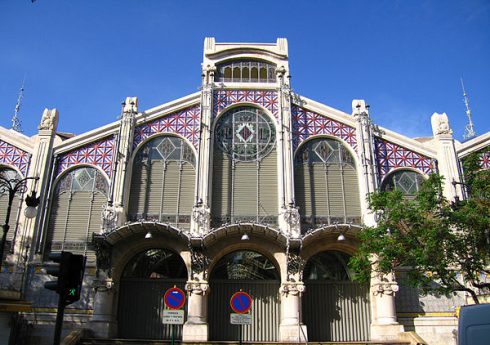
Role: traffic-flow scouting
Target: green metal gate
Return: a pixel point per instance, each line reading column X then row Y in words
column 336, row 311
column 265, row 310
column 141, row 308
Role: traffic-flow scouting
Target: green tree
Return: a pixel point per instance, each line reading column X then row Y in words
column 443, row 246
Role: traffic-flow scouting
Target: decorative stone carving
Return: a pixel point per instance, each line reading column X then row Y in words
column 49, row 121
column 197, row 287
column 295, row 289
column 201, row 214
column 385, row 284
column 360, row 108
column 295, row 265
column 131, row 105
column 103, row 252
column 291, row 216
column 109, row 218
column 440, row 124
column 199, row 263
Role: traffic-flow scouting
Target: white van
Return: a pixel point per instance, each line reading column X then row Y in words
column 474, row 325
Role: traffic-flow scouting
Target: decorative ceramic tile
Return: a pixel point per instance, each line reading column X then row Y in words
column 184, row 122
column 308, row 123
column 390, row 156
column 11, row 155
column 99, row 153
column 267, row 99
column 485, row 160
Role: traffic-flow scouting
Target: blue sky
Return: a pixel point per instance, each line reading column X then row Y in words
column 405, row 58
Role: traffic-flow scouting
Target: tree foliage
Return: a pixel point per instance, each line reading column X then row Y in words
column 443, row 246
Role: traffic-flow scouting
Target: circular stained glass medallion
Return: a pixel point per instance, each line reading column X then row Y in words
column 245, row 133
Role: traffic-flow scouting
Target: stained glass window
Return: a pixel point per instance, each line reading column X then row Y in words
column 84, row 179
column 246, row 134
column 406, row 181
column 166, row 148
column 327, row 151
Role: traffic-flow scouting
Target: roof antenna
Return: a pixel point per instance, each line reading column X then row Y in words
column 16, row 126
column 469, row 129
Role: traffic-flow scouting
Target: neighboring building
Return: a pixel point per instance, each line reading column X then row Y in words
column 243, row 185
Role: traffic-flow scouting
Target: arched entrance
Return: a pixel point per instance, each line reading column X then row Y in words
column 255, row 274
column 334, row 307
column 144, row 280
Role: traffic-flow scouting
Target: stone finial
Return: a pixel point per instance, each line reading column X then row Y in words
column 49, row 121
column 209, row 45
column 282, row 44
column 359, row 106
column 440, row 124
column 131, row 105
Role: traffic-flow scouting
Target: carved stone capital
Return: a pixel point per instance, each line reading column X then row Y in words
column 197, row 287
column 385, row 284
column 295, row 289
column 103, row 285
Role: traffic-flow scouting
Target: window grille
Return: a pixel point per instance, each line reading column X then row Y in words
column 246, row 71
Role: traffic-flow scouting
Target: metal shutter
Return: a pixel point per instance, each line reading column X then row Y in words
column 268, row 185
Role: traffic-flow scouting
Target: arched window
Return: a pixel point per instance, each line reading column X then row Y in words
column 326, row 185
column 246, row 71
column 155, row 264
column 245, row 265
column 244, row 168
column 163, row 180
column 406, row 181
column 328, row 266
column 76, row 210
column 10, row 174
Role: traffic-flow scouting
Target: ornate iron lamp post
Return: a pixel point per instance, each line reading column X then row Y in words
column 13, row 186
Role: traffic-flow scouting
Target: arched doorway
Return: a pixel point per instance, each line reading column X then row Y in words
column 144, row 281
column 255, row 274
column 335, row 308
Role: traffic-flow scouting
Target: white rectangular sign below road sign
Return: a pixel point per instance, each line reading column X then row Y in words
column 240, row 319
column 173, row 317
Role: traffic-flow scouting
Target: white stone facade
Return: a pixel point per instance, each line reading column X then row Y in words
column 288, row 241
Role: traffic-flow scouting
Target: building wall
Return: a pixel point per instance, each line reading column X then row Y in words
column 376, row 153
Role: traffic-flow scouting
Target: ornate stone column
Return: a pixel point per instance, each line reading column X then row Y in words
column 114, row 214
column 292, row 328
column 200, row 223
column 103, row 323
column 196, row 327
column 365, row 156
column 384, row 325
column 447, row 159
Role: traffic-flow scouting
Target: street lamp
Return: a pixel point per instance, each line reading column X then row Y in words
column 14, row 186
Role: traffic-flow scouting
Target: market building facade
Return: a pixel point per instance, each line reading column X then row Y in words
column 244, row 185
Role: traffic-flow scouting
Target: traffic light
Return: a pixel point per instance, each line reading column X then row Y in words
column 69, row 269
column 74, row 278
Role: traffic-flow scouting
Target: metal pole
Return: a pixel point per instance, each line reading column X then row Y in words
column 173, row 334
column 59, row 319
column 6, row 226
column 240, row 338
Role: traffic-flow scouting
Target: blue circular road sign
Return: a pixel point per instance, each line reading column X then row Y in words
column 241, row 302
column 174, row 298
